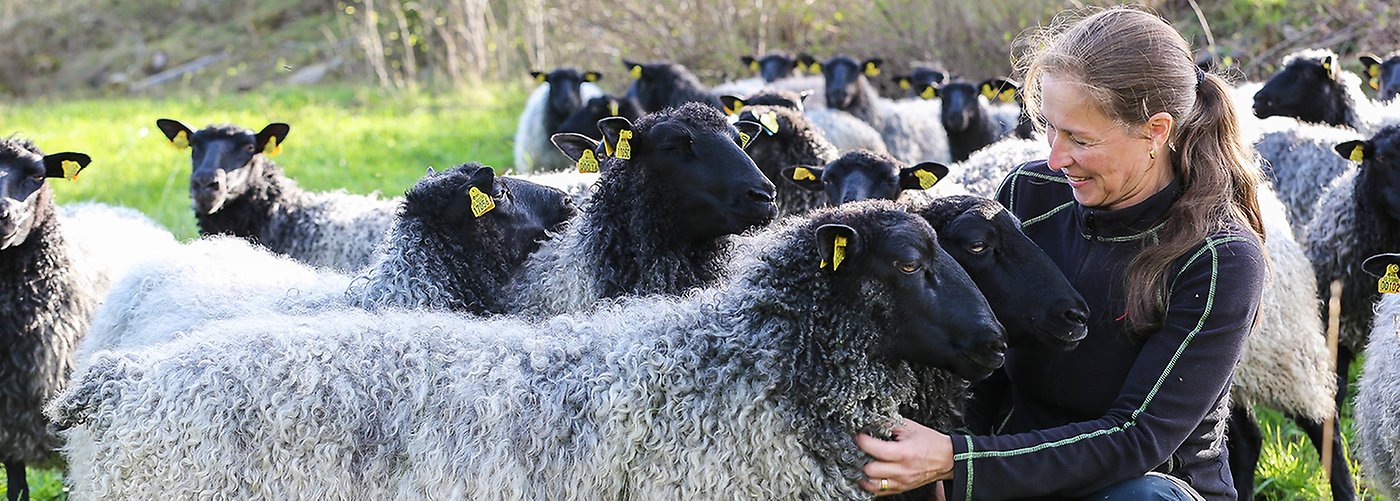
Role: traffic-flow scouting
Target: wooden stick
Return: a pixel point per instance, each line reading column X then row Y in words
column 1334, row 324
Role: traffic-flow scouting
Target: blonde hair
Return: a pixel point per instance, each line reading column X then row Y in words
column 1134, row 64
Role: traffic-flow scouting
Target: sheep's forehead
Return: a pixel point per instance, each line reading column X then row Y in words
column 223, row 132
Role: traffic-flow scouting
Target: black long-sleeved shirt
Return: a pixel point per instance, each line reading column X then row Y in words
column 1065, row 424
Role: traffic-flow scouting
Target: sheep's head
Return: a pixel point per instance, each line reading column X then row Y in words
column 654, row 83
column 843, row 75
column 24, row 194
column 1297, row 90
column 862, row 175
column 1382, row 75
column 788, row 137
column 222, row 159
column 585, row 119
column 565, row 95
column 939, row 318
column 918, row 81
column 1378, row 182
column 695, row 159
column 469, row 201
column 734, row 105
column 772, row 66
column 1030, row 296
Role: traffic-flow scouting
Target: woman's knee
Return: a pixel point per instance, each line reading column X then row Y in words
column 1149, row 487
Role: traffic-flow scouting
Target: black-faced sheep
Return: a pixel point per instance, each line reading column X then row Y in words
column 863, row 175
column 970, row 119
column 238, row 190
column 733, row 105
column 752, row 389
column 1378, row 396
column 585, row 119
column 672, row 188
column 558, row 94
column 1313, row 87
column 657, row 86
column 921, row 80
column 772, row 66
column 910, row 129
column 1383, row 75
column 788, row 139
column 56, row 265
column 1301, row 162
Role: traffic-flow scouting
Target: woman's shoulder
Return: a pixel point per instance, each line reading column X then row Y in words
column 1231, row 245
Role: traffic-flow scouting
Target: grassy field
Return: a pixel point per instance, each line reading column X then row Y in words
column 362, row 141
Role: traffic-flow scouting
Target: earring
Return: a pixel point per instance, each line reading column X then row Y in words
column 1152, row 154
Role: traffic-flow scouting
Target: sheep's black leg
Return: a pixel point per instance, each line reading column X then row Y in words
column 1243, row 441
column 17, row 487
column 1344, row 358
column 1340, row 479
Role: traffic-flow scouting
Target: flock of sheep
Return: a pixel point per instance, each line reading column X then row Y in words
column 662, row 306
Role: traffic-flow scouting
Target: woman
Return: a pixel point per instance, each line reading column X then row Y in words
column 1147, row 204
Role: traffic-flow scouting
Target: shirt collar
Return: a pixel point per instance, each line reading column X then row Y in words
column 1141, row 220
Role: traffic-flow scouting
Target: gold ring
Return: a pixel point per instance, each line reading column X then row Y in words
column 884, row 484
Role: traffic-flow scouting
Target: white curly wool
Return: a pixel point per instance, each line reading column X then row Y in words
column 845, row 131
column 1301, row 162
column 983, row 172
column 533, row 151
column 1378, row 401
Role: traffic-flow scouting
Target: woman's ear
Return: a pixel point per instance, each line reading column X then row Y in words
column 1159, row 128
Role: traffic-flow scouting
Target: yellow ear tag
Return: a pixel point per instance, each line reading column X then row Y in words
column 1327, row 67
column 624, row 149
column 744, row 139
column 272, row 148
column 587, row 162
column 181, row 141
column 814, row 67
column 803, row 174
column 988, row 92
column 904, row 84
column 612, row 109
column 71, row 168
column 838, row 253
column 738, row 105
column 481, row 202
column 1390, row 283
column 1374, row 82
column 928, row 93
column 753, row 65
column 636, row 72
column 871, row 70
column 1008, row 96
column 769, row 121
column 1358, row 153
column 539, row 79
column 926, row 179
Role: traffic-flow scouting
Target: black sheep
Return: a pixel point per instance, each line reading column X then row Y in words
column 972, row 124
column 657, row 86
column 1311, row 88
column 585, row 119
column 789, row 139
column 863, row 175
column 921, row 81
column 773, row 66
column 1383, row 75
column 558, row 95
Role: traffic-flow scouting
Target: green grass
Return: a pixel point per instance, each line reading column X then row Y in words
column 355, row 139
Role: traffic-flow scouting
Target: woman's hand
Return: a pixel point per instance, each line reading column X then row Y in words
column 916, row 456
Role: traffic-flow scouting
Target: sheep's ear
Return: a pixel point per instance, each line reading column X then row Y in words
column 805, row 177
column 579, row 148
column 1356, row 151
column 904, row 82
column 1373, row 70
column 1386, row 267
column 480, row 188
column 430, row 171
column 732, row 104
column 999, row 89
column 66, row 165
column 633, row 69
column 805, row 63
column 617, row 135
column 928, row 91
column 748, row 132
column 802, row 99
column 538, row 76
column 592, row 76
column 178, row 134
column 871, row 67
column 770, row 123
column 922, row 176
column 269, row 141
column 1329, row 66
column 836, row 243
column 750, row 62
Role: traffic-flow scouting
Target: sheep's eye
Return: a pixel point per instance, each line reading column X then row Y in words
column 977, row 247
column 909, row 267
column 248, row 148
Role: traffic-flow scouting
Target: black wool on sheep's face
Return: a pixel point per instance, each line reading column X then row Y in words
column 565, row 95
column 222, row 159
column 843, row 75
column 864, row 175
column 960, row 106
column 519, row 213
column 714, row 188
column 585, row 119
column 1382, row 76
column 939, row 318
column 1029, row 295
column 1378, row 180
column 23, row 190
column 773, row 66
column 922, row 78
column 1306, row 89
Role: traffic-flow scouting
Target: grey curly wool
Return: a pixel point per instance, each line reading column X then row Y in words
column 1378, row 401
column 749, row 390
column 982, row 173
column 1301, row 163
column 796, row 142
column 845, row 131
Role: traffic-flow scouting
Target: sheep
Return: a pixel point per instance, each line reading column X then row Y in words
column 238, row 190
column 789, row 139
column 863, row 175
column 920, row 80
column 766, row 97
column 847, row 132
column 772, row 66
column 909, row 129
column 1313, row 88
column 1358, row 216
column 1377, row 402
column 752, row 389
column 1300, row 162
column 969, row 120
column 56, row 265
column 1382, row 74
column 675, row 186
column 997, row 90
column 662, row 85
column 585, row 119
column 558, row 94
column 440, row 254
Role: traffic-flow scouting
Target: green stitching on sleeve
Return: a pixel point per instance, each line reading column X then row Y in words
column 1042, row 217
column 969, row 468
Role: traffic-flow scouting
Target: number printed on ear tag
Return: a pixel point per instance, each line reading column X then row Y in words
column 481, row 202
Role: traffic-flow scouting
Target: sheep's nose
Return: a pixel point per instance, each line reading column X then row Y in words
column 204, row 183
column 1076, row 316
column 760, row 196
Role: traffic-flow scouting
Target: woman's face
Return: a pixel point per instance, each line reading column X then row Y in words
column 1107, row 163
